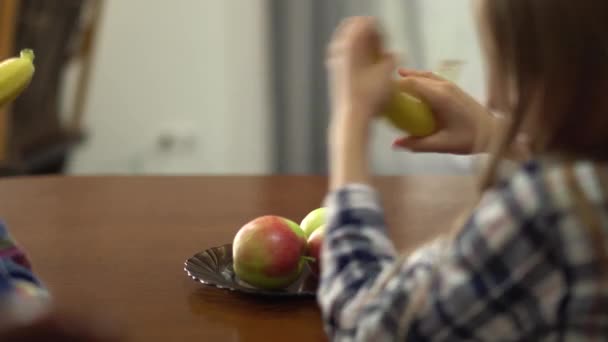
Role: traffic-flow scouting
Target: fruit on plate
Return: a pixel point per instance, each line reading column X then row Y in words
column 269, row 252
column 15, row 75
column 313, row 249
column 313, row 220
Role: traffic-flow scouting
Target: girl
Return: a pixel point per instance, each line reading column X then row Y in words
column 530, row 262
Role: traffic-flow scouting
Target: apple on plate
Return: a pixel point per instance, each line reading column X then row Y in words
column 314, row 220
column 269, row 252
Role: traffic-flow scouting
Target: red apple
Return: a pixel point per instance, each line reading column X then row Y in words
column 314, row 243
column 268, row 252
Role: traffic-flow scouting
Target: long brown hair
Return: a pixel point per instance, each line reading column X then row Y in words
column 553, row 56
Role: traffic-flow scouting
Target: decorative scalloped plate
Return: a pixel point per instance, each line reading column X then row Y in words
column 213, row 267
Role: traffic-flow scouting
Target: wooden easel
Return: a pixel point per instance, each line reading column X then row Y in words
column 86, row 55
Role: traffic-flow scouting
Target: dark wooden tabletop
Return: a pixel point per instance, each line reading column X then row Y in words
column 117, row 245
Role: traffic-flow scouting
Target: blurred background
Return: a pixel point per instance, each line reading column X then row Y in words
column 205, row 86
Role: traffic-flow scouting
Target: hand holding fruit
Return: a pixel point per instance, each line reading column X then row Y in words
column 362, row 87
column 462, row 118
column 360, row 80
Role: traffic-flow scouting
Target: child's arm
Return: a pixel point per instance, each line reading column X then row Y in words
column 500, row 277
column 466, row 127
column 448, row 291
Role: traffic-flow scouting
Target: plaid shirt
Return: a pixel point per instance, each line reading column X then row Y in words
column 524, row 267
column 22, row 296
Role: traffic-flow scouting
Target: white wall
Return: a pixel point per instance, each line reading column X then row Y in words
column 450, row 33
column 195, row 70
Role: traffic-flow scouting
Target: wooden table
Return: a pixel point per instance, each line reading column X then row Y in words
column 118, row 245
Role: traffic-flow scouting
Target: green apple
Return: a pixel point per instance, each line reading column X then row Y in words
column 313, row 220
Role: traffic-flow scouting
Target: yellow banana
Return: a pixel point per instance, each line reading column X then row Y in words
column 410, row 114
column 15, row 75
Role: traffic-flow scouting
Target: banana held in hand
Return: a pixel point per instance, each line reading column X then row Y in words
column 15, row 75
column 410, row 114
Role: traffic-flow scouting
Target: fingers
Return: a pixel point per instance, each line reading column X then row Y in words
column 406, row 72
column 438, row 143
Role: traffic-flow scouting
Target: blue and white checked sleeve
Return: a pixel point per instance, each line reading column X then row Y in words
column 22, row 296
column 499, row 278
